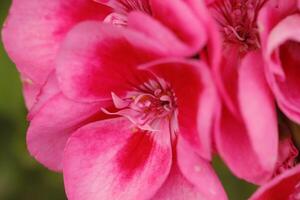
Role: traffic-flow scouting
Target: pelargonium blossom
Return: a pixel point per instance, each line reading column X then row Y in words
column 247, row 135
column 34, row 43
column 159, row 111
column 35, row 29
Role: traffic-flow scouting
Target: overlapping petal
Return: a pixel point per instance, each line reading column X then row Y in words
column 34, row 30
column 54, row 123
column 98, row 59
column 248, row 142
column 285, row 186
column 196, row 97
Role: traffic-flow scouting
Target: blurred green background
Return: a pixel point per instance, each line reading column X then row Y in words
column 21, row 177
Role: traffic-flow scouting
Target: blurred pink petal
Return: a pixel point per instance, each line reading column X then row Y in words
column 284, row 186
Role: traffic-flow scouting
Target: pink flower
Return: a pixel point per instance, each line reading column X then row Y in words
column 173, row 129
column 247, row 134
column 162, row 119
column 286, row 186
column 35, row 29
column 33, row 38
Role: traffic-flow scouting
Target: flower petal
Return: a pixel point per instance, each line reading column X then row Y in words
column 281, row 187
column 196, row 98
column 249, row 142
column 199, row 172
column 34, row 30
column 97, row 59
column 177, row 17
column 53, row 124
column 284, row 47
column 112, row 159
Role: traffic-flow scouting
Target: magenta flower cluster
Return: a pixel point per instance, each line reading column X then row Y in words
column 130, row 99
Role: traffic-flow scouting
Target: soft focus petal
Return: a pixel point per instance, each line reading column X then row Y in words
column 212, row 53
column 282, row 187
column 254, row 98
column 179, row 18
column 249, row 143
column 199, row 172
column 177, row 187
column 112, row 159
column 53, row 124
column 157, row 31
column 284, row 48
column 34, row 30
column 97, row 59
column 196, row 97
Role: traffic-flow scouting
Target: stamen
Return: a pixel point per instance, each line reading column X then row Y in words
column 237, row 21
column 147, row 110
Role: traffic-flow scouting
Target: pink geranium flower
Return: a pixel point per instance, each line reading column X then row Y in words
column 247, row 136
column 161, row 111
column 286, row 186
column 32, row 40
column 166, row 107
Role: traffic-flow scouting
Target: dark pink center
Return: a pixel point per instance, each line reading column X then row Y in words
column 237, row 22
column 149, row 105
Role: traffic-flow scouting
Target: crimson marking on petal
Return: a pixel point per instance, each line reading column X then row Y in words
column 139, row 144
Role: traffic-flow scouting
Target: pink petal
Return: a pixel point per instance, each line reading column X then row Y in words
column 178, row 18
column 212, row 53
column 196, row 98
column 280, row 188
column 254, row 98
column 199, row 172
column 53, row 124
column 227, row 77
column 112, row 159
column 233, row 145
column 177, row 187
column 249, row 143
column 284, row 44
column 157, row 31
column 97, row 59
column 34, row 30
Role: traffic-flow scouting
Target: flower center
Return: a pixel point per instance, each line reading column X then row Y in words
column 149, row 105
column 121, row 9
column 237, row 22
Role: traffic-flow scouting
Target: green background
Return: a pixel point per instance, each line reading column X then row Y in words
column 21, row 177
